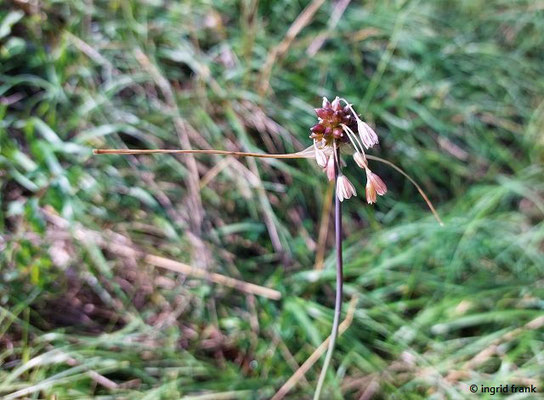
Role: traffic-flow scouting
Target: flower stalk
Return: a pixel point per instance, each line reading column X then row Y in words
column 339, row 288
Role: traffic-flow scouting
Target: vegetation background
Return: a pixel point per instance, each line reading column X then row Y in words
column 455, row 90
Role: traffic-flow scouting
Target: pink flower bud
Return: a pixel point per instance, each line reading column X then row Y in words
column 323, row 113
column 317, row 128
column 344, row 188
column 337, row 133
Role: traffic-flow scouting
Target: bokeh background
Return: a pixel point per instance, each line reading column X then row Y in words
column 455, row 90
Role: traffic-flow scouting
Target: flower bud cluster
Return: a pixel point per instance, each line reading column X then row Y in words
column 331, row 118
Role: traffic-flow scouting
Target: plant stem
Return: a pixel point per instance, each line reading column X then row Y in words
column 339, row 286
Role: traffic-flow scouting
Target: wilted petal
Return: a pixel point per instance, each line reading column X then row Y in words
column 344, row 188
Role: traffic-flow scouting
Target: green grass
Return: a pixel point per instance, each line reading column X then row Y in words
column 456, row 92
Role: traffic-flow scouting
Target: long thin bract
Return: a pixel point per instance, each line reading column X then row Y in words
column 301, row 154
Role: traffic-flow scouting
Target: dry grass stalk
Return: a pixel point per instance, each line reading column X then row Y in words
column 124, row 250
column 277, row 52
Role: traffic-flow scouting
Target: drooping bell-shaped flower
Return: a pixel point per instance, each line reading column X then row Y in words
column 367, row 134
column 344, row 188
column 329, row 168
column 374, row 185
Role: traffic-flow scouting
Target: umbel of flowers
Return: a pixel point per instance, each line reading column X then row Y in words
column 339, row 126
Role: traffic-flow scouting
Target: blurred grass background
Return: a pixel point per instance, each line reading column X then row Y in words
column 456, row 92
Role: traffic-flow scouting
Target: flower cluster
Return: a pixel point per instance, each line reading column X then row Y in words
column 337, row 126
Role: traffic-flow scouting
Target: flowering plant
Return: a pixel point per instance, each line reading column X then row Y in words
column 339, row 129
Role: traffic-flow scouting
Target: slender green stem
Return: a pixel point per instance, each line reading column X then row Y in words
column 339, row 286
